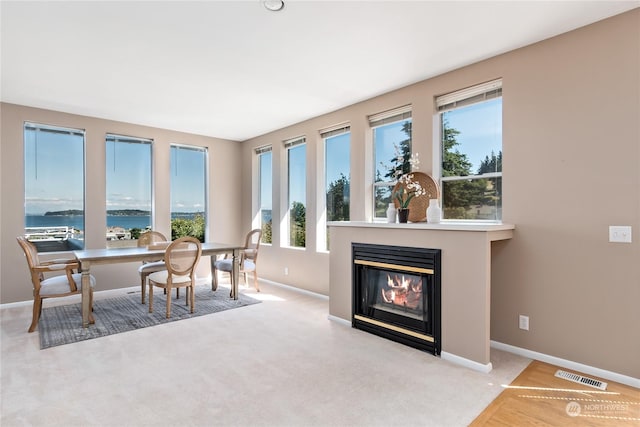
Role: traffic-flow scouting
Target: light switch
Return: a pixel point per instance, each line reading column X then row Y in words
column 620, row 233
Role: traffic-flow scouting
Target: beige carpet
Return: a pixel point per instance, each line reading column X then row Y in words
column 281, row 363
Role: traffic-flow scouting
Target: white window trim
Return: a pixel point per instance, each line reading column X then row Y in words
column 285, row 232
column 451, row 101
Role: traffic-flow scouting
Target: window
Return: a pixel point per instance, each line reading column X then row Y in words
column 54, row 187
column 128, row 174
column 337, row 150
column 265, row 195
column 471, row 152
column 297, row 168
column 188, row 191
column 391, row 138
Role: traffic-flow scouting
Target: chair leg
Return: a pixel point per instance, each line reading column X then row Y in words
column 191, row 292
column 150, row 297
column 255, row 280
column 37, row 309
column 143, row 285
column 168, row 303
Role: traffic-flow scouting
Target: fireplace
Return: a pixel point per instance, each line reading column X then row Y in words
column 396, row 294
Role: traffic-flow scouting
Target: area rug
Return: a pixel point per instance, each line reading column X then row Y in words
column 63, row 324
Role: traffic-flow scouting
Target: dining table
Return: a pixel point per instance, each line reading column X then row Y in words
column 90, row 257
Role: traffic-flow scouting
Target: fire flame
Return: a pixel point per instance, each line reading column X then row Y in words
column 399, row 289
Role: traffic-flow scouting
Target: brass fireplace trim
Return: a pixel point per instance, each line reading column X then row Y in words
column 394, row 266
column 394, row 328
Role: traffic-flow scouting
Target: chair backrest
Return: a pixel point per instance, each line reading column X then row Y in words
column 31, row 253
column 252, row 244
column 182, row 255
column 151, row 237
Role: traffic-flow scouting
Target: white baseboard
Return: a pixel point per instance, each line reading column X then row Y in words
column 15, row 304
column 476, row 366
column 293, row 288
column 339, row 320
column 564, row 363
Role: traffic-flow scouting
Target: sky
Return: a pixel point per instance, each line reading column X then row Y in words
column 480, row 127
column 54, row 177
column 297, row 174
column 128, row 172
column 338, row 157
column 51, row 183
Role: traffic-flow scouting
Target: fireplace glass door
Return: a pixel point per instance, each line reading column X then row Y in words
column 396, row 297
column 396, row 293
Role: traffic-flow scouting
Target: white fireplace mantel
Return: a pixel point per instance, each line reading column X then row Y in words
column 466, row 277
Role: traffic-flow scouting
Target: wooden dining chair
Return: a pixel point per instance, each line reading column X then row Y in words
column 148, row 267
column 248, row 260
column 181, row 258
column 64, row 285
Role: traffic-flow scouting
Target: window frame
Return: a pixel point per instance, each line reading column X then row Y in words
column 322, row 230
column 456, row 100
column 267, row 236
column 117, row 138
column 72, row 240
column 205, row 151
column 394, row 116
column 290, row 144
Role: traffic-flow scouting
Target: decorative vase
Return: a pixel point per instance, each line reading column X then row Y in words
column 391, row 213
column 434, row 213
column 403, row 215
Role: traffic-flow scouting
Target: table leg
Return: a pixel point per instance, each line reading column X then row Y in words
column 86, row 295
column 235, row 272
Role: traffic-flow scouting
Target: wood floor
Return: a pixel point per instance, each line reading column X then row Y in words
column 538, row 398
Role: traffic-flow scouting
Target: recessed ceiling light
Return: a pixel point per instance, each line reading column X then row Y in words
column 273, row 5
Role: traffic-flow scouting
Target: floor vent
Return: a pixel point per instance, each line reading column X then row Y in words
column 581, row 379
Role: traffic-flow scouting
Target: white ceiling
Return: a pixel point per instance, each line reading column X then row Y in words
column 233, row 70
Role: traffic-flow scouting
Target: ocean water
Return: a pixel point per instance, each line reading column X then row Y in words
column 126, row 222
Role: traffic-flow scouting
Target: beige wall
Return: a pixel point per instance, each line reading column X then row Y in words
column 571, row 144
column 223, row 222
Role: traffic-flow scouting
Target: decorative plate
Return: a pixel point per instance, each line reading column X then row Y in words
column 418, row 205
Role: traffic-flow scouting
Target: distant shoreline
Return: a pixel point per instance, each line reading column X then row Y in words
column 77, row 222
column 112, row 212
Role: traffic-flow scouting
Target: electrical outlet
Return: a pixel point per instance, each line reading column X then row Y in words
column 286, row 271
column 523, row 322
column 620, row 234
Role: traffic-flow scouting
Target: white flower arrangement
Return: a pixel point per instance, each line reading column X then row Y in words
column 408, row 188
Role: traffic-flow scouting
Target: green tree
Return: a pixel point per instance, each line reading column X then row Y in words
column 382, row 197
column 454, row 163
column 338, row 199
column 491, row 164
column 267, row 231
column 493, row 192
column 181, row 227
column 135, row 233
column 404, row 149
column 458, row 196
column 298, row 223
